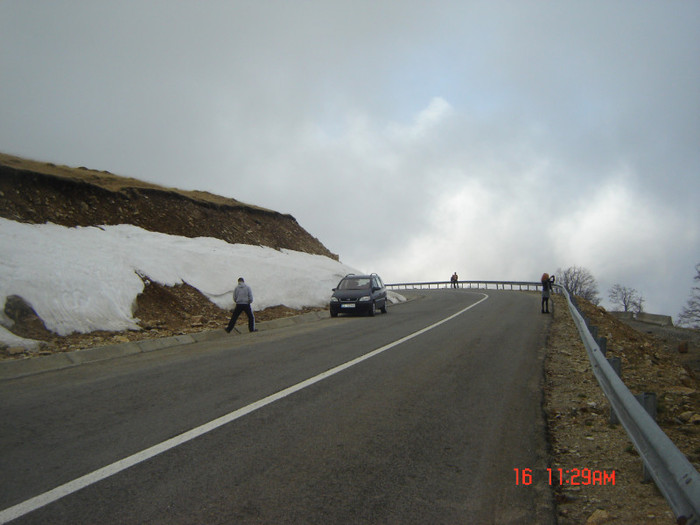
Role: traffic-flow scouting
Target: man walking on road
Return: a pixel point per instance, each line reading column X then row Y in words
column 243, row 297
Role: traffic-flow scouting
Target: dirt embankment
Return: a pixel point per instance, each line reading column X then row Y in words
column 36, row 192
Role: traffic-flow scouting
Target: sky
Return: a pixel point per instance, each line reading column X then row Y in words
column 497, row 139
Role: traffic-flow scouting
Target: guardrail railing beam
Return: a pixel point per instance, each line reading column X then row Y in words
column 673, row 474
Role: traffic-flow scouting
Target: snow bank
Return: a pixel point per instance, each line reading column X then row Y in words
column 87, row 278
column 12, row 340
column 394, row 297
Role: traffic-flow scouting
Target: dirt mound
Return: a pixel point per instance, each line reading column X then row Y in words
column 162, row 311
column 674, row 338
column 35, row 192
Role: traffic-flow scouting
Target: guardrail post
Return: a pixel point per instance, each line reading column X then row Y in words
column 648, row 401
column 603, row 345
column 616, row 365
column 594, row 331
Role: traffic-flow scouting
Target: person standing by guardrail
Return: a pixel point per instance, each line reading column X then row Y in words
column 546, row 291
column 454, row 279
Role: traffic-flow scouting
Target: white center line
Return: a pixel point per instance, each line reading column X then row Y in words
column 61, row 491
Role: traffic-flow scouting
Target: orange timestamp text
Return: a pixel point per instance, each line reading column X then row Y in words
column 572, row 477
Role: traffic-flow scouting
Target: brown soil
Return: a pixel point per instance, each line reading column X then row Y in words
column 36, row 193
column 162, row 311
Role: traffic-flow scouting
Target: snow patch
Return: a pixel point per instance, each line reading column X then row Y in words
column 87, row 278
column 12, row 340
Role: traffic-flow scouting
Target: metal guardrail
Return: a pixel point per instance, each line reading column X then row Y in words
column 467, row 284
column 673, row 474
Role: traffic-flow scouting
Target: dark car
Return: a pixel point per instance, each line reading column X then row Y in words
column 359, row 294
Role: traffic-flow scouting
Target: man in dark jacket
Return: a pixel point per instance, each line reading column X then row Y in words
column 243, row 297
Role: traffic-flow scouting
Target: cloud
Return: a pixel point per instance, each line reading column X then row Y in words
column 498, row 139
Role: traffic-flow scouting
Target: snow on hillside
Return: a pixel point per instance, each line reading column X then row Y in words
column 87, row 278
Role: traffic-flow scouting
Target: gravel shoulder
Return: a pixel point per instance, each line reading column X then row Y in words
column 578, row 416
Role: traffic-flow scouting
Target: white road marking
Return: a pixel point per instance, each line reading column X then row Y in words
column 66, row 489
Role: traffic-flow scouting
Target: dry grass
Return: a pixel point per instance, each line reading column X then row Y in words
column 115, row 183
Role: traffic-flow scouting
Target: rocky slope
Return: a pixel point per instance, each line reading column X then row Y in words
column 578, row 414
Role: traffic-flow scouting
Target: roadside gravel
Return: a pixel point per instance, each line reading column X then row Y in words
column 578, row 415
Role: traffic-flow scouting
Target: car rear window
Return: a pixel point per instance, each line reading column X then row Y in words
column 354, row 283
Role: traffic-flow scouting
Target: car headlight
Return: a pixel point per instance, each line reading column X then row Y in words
column 334, row 299
column 365, row 298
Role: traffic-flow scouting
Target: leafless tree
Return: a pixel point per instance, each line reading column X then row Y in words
column 690, row 315
column 627, row 298
column 580, row 282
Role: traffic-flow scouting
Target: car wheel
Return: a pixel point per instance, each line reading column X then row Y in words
column 383, row 308
column 334, row 314
column 372, row 309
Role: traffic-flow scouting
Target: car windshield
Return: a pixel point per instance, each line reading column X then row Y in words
column 354, row 283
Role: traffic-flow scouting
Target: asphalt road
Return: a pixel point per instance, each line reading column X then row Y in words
column 428, row 430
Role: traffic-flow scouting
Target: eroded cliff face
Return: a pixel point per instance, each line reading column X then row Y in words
column 36, row 192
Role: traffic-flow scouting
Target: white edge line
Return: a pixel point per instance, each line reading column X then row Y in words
column 77, row 484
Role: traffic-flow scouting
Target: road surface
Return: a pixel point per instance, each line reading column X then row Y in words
column 417, row 416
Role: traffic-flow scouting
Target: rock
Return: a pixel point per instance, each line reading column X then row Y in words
column 121, row 339
column 685, row 416
column 17, row 309
column 686, row 380
column 683, row 347
column 695, row 419
column 16, row 350
column 599, row 516
column 26, row 323
column 683, row 390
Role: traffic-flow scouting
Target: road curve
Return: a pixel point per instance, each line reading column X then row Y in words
column 428, row 429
